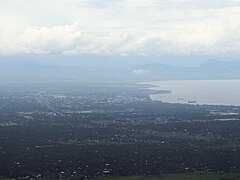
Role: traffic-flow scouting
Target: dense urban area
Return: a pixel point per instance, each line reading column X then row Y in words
column 90, row 132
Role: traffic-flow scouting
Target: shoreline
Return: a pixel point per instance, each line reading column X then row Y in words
column 176, row 94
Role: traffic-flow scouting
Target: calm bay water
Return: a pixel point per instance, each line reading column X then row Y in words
column 214, row 92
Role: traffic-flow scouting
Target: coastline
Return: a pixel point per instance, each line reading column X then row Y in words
column 196, row 92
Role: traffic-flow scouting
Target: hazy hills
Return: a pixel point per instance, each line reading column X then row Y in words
column 211, row 69
column 27, row 69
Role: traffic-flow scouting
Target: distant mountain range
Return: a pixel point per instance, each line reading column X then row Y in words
column 211, row 69
column 25, row 69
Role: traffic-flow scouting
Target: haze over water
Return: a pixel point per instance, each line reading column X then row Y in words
column 212, row 92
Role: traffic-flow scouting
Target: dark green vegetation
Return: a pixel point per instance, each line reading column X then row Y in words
column 114, row 131
column 179, row 177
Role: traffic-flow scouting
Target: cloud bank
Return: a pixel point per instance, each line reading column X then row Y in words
column 120, row 27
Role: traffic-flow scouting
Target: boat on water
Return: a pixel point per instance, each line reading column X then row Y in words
column 192, row 102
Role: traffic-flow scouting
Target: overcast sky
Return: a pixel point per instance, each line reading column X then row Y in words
column 120, row 27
